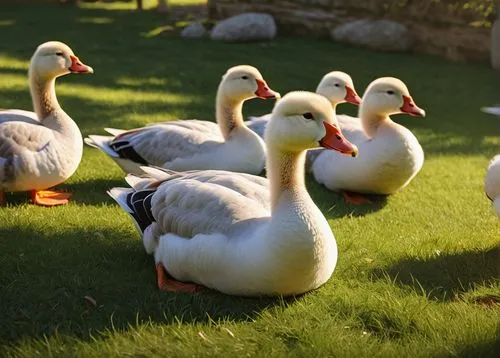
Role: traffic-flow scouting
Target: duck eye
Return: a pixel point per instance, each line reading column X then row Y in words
column 59, row 54
column 244, row 77
column 391, row 92
column 308, row 115
column 337, row 85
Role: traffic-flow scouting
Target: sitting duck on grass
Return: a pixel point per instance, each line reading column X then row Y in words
column 195, row 144
column 390, row 155
column 216, row 229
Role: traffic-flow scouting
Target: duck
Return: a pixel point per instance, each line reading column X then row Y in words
column 492, row 183
column 41, row 149
column 492, row 178
column 195, row 144
column 390, row 155
column 212, row 228
column 336, row 86
column 492, row 110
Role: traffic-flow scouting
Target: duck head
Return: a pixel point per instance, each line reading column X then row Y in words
column 338, row 88
column 245, row 82
column 389, row 95
column 305, row 120
column 53, row 59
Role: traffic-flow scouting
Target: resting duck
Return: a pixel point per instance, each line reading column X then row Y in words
column 193, row 144
column 492, row 179
column 42, row 149
column 492, row 110
column 213, row 228
column 336, row 86
column 390, row 154
column 492, row 183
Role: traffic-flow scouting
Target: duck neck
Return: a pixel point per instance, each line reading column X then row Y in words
column 371, row 121
column 43, row 95
column 285, row 171
column 229, row 114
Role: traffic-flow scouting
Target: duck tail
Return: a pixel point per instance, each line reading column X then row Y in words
column 137, row 203
column 127, row 163
column 101, row 142
column 114, row 131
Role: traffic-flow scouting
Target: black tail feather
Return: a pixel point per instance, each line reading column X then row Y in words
column 125, row 150
column 140, row 203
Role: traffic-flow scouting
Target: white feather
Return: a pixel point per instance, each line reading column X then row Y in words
column 101, row 142
column 114, row 131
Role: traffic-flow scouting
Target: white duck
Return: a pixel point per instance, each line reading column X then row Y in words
column 213, row 228
column 193, row 144
column 336, row 86
column 492, row 110
column 492, row 183
column 42, row 149
column 390, row 155
column 492, row 179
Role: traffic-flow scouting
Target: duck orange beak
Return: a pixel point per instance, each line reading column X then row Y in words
column 264, row 92
column 411, row 108
column 335, row 140
column 351, row 96
column 78, row 67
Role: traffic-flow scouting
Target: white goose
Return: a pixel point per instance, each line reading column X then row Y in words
column 42, row 149
column 213, row 228
column 336, row 86
column 492, row 179
column 492, row 183
column 193, row 144
column 492, row 110
column 390, row 155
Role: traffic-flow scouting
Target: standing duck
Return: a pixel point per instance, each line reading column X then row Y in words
column 42, row 149
column 390, row 155
column 212, row 228
column 194, row 144
column 336, row 86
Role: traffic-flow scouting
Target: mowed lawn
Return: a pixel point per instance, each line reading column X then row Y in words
column 418, row 273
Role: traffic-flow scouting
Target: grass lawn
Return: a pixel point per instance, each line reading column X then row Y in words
column 413, row 269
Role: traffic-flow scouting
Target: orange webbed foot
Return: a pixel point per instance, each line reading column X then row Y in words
column 355, row 199
column 49, row 197
column 167, row 283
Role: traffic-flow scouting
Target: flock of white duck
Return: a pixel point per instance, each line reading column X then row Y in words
column 195, row 194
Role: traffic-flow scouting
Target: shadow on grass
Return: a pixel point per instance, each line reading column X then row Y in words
column 484, row 349
column 92, row 192
column 333, row 205
column 447, row 276
column 45, row 278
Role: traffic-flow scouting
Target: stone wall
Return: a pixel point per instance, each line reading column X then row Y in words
column 458, row 30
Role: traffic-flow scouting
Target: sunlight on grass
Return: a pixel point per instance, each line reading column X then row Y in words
column 110, row 95
column 9, row 62
column 132, row 5
column 158, row 31
column 137, row 82
column 416, row 272
column 95, row 20
column 7, row 22
column 106, row 95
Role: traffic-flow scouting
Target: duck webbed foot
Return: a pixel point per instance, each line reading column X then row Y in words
column 355, row 198
column 167, row 283
column 49, row 197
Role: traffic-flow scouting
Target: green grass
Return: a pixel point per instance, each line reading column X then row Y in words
column 411, row 268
